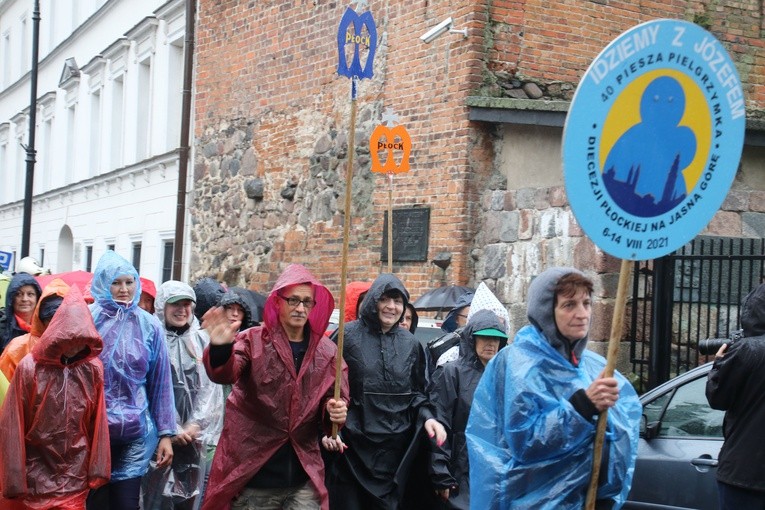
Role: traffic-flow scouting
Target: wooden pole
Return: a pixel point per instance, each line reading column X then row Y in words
column 613, row 352
column 346, row 235
column 390, row 223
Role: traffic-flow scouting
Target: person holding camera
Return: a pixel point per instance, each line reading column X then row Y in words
column 736, row 385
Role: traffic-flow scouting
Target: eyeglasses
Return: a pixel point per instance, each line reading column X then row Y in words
column 294, row 302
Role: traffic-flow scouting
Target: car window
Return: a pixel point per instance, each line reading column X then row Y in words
column 689, row 414
column 653, row 409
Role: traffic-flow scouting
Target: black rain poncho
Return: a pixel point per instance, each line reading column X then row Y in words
column 736, row 385
column 386, row 373
column 452, row 395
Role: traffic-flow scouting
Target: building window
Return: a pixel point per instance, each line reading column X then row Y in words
column 88, row 258
column 175, row 95
column 71, row 148
column 46, row 182
column 137, row 256
column 26, row 54
column 167, row 261
column 21, row 156
column 42, row 257
column 143, row 110
column 95, row 133
column 6, row 59
column 110, row 247
column 5, row 180
column 118, row 95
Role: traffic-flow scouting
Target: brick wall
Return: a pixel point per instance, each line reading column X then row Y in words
column 270, row 109
column 269, row 106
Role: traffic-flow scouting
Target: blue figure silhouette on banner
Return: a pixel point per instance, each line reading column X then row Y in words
column 643, row 170
column 355, row 36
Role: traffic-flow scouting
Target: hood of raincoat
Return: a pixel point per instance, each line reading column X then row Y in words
column 209, row 291
column 234, row 296
column 18, row 281
column 148, row 287
column 484, row 299
column 110, row 267
column 450, row 323
column 353, row 292
column 9, row 327
column 753, row 312
column 382, row 284
column 318, row 317
column 483, row 319
column 56, row 288
column 71, row 326
column 541, row 311
column 170, row 289
column 415, row 317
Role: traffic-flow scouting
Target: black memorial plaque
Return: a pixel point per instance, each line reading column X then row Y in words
column 411, row 232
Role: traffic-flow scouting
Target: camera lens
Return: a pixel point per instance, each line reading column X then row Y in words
column 710, row 346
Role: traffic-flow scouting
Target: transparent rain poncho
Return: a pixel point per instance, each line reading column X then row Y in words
column 198, row 403
column 138, row 385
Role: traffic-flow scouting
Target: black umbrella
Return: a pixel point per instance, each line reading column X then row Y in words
column 441, row 298
column 255, row 300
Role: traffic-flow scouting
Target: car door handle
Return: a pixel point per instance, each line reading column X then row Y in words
column 704, row 461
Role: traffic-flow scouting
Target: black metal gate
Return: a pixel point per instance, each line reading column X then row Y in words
column 690, row 295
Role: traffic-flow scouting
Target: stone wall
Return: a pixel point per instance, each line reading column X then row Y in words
column 272, row 124
column 541, row 49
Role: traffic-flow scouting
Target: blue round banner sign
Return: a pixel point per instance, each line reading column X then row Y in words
column 653, row 139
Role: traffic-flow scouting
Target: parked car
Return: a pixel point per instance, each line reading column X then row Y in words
column 680, row 440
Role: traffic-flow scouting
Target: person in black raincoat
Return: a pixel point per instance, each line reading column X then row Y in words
column 20, row 301
column 736, row 385
column 411, row 319
column 242, row 313
column 389, row 404
column 453, row 325
column 452, row 394
column 208, row 291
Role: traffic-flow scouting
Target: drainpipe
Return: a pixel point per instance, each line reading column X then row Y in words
column 30, row 147
column 183, row 153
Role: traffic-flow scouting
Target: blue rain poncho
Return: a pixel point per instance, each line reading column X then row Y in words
column 137, row 382
column 529, row 448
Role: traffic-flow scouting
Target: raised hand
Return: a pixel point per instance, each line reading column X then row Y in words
column 216, row 324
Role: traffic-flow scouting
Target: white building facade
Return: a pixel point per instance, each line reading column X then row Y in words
column 108, row 130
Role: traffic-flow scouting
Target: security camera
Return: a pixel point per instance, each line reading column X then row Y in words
column 437, row 30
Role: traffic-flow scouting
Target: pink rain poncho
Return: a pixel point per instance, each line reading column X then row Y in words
column 270, row 404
